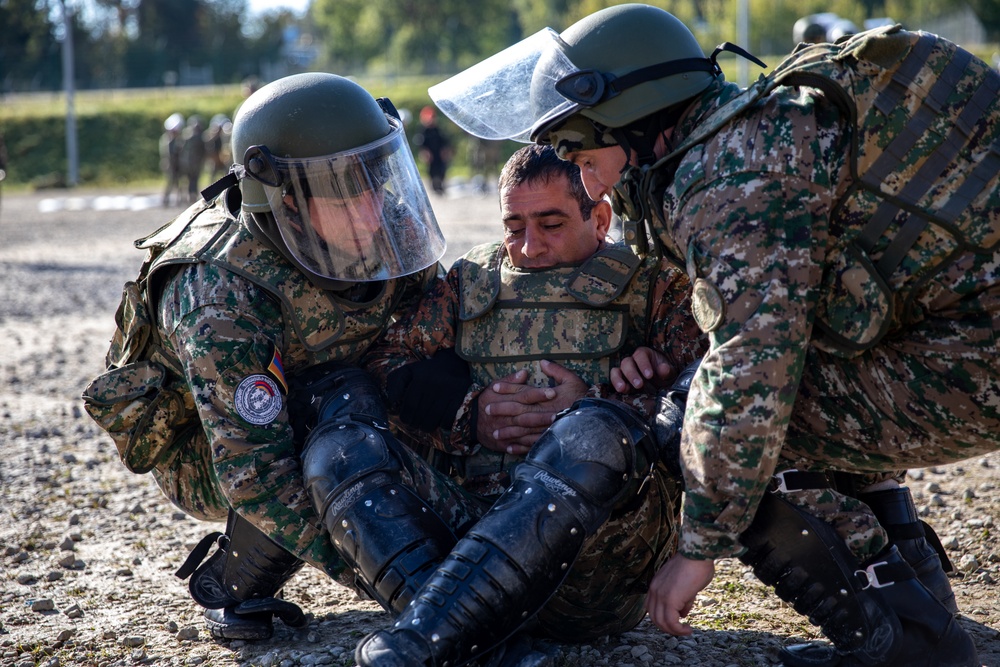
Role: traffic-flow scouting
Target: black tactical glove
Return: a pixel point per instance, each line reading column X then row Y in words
column 426, row 394
column 670, row 405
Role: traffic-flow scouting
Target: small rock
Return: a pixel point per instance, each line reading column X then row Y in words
column 54, row 575
column 968, row 564
column 932, row 487
column 187, row 632
column 68, row 561
column 20, row 557
column 9, row 550
column 65, row 635
column 312, row 637
column 936, row 500
column 69, row 457
column 124, row 572
column 26, row 579
column 138, row 654
column 109, row 634
column 195, row 660
column 170, row 627
column 74, row 611
column 178, row 516
column 968, row 494
column 137, row 509
column 133, row 641
column 74, row 519
column 43, row 604
column 916, row 474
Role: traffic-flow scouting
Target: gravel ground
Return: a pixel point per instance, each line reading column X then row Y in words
column 88, row 550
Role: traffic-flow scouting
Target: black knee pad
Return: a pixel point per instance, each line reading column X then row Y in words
column 388, row 535
column 598, row 449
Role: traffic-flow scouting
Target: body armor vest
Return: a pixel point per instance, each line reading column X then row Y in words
column 582, row 317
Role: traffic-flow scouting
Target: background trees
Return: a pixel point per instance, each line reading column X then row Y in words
column 133, row 43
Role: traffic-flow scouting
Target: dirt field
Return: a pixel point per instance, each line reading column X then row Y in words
column 88, row 550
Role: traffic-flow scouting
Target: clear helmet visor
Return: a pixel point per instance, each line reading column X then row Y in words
column 504, row 96
column 356, row 216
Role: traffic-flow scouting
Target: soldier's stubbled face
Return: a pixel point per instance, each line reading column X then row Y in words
column 543, row 225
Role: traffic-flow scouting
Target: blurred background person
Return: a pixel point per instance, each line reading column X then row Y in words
column 171, row 143
column 434, row 148
column 193, row 154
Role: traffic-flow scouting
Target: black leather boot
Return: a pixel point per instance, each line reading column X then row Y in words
column 876, row 614
column 917, row 542
column 929, row 635
column 240, row 583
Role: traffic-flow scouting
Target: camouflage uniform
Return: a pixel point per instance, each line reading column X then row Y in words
column 502, row 319
column 232, row 315
column 756, row 213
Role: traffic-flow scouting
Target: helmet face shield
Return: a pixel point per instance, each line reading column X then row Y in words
column 505, row 95
column 355, row 216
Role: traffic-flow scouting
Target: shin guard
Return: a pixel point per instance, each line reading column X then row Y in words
column 513, row 560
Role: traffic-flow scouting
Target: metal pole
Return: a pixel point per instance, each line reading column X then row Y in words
column 72, row 158
column 743, row 32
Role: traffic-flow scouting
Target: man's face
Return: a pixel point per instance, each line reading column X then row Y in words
column 600, row 169
column 348, row 224
column 543, row 226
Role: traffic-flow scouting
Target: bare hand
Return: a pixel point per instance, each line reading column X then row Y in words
column 645, row 368
column 512, row 415
column 673, row 590
column 511, row 405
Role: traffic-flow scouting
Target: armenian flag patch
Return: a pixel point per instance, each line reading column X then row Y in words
column 277, row 370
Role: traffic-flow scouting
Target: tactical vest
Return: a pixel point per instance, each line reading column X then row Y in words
column 580, row 317
column 583, row 318
column 924, row 117
column 143, row 400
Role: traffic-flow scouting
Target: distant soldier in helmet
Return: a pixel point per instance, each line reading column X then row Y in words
column 852, row 302
column 252, row 304
column 171, row 145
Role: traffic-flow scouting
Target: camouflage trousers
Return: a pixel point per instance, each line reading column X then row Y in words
column 605, row 590
column 928, row 397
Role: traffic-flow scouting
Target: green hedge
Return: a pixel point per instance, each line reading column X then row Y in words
column 118, row 131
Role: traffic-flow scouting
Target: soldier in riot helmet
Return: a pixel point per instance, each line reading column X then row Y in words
column 851, row 302
column 253, row 301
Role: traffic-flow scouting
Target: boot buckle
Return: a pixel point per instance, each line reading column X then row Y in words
column 871, row 577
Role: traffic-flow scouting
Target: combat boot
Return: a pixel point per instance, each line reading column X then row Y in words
column 239, row 585
column 876, row 614
column 917, row 542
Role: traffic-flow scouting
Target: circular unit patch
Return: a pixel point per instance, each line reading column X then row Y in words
column 258, row 400
column 707, row 305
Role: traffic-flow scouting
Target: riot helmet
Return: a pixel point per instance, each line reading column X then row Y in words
column 327, row 179
column 614, row 67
